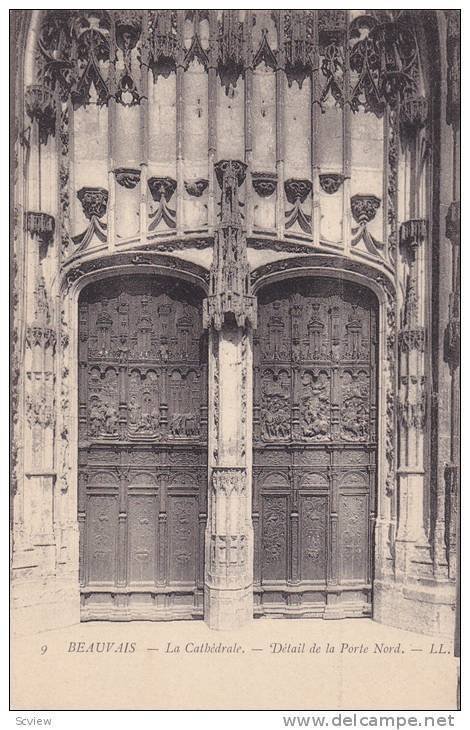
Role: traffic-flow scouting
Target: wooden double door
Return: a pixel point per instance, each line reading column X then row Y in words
column 142, row 501
column 314, row 450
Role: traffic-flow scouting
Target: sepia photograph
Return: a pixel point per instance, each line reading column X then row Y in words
column 235, row 360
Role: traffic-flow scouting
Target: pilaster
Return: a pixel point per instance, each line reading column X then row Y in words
column 230, row 316
column 412, row 547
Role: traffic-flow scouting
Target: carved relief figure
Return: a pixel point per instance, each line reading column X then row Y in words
column 355, row 407
column 315, row 406
column 102, row 409
column 275, row 408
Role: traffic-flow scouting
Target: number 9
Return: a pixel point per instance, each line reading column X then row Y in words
column 43, row 649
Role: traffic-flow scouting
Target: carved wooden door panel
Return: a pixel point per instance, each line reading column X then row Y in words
column 314, row 449
column 142, row 449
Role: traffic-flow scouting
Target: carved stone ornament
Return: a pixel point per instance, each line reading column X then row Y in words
column 231, row 57
column 41, row 226
column 299, row 44
column 296, row 193
column 412, row 404
column 128, row 177
column 94, row 201
column 196, row 187
column 412, row 233
column 230, row 287
column 364, row 208
column 297, row 190
column 413, row 115
column 330, row 182
column 164, row 44
column 412, row 339
column 264, row 183
column 162, row 189
column 229, row 479
column 234, row 168
column 453, row 222
column 383, row 54
column 40, row 107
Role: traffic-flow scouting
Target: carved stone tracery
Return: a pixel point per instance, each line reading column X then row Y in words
column 79, row 50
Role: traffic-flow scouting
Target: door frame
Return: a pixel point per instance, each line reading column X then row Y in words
column 331, row 266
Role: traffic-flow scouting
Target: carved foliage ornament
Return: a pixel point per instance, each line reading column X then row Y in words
column 412, row 339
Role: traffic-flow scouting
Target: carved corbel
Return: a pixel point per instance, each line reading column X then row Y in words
column 41, row 226
column 330, row 182
column 162, row 189
column 412, row 234
column 264, row 183
column 196, row 187
column 41, row 108
column 95, row 204
column 297, row 192
column 364, row 209
column 413, row 116
column 128, row 177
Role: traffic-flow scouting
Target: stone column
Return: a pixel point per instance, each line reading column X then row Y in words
column 230, row 315
column 412, row 546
